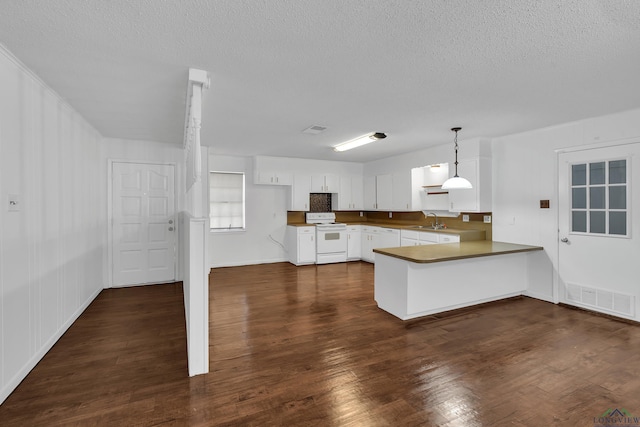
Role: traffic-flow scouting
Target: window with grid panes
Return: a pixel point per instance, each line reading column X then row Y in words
column 600, row 198
column 226, row 201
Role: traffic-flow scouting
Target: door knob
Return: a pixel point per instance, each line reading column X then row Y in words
column 170, row 228
column 170, row 221
column 564, row 240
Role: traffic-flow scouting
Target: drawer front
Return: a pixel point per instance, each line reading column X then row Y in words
column 409, row 234
column 425, row 236
column 449, row 238
column 306, row 230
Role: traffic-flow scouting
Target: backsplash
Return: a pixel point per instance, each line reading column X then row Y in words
column 403, row 218
column 320, row 202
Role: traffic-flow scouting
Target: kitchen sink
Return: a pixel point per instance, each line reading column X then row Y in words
column 425, row 227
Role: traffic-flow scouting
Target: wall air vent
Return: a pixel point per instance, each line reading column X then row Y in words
column 600, row 299
column 314, row 130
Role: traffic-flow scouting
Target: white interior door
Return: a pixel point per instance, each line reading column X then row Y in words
column 143, row 223
column 599, row 221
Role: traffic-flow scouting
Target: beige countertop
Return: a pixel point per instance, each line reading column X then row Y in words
column 454, row 251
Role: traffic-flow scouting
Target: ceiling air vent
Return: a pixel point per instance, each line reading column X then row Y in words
column 314, row 130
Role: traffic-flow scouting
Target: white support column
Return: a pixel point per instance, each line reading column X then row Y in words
column 195, row 231
column 198, row 80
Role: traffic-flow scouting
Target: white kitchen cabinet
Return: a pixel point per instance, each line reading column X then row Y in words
column 299, row 195
column 354, row 242
column 478, row 198
column 369, row 195
column 404, row 241
column 406, row 189
column 324, row 183
column 448, row 238
column 378, row 192
column 350, row 194
column 414, row 238
column 301, row 245
column 378, row 237
column 428, row 238
column 272, row 178
column 409, row 238
column 389, row 238
column 369, row 237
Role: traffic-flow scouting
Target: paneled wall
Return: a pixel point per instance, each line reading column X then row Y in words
column 50, row 247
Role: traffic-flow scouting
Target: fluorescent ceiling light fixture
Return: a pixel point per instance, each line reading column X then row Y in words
column 456, row 181
column 361, row 140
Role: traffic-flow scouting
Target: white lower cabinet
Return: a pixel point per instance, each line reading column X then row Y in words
column 354, row 242
column 378, row 237
column 415, row 238
column 369, row 236
column 448, row 238
column 301, row 244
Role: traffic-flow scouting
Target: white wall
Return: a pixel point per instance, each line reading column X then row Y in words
column 266, row 215
column 525, row 172
column 51, row 251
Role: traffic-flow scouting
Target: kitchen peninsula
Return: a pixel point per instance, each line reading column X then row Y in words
column 415, row 281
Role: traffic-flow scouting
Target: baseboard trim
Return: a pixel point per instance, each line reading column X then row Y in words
column 248, row 262
column 539, row 296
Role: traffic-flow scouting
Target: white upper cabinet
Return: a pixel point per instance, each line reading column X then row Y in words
column 369, row 196
column 324, row 183
column 350, row 194
column 272, row 178
column 478, row 198
column 378, row 192
column 299, row 195
column 407, row 186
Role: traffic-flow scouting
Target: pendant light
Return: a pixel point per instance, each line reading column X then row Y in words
column 456, row 181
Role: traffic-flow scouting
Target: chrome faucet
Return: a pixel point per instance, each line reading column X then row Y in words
column 436, row 225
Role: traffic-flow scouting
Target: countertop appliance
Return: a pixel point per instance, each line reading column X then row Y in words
column 331, row 237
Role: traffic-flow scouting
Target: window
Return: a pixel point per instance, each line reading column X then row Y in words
column 226, row 201
column 599, row 198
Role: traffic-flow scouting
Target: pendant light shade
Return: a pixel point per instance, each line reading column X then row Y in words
column 456, row 181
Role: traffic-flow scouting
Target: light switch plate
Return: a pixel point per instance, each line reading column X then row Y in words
column 487, row 219
column 14, row 203
column 465, row 218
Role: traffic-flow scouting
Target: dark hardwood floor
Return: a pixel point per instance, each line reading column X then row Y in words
column 307, row 346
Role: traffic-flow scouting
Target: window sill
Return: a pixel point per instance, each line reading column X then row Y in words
column 227, row 230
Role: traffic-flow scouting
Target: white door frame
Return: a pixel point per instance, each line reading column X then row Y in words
column 178, row 230
column 556, row 258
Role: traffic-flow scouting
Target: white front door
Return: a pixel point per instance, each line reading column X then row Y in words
column 599, row 222
column 143, row 223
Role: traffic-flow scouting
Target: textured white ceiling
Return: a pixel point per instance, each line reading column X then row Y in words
column 412, row 69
